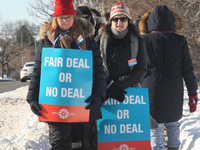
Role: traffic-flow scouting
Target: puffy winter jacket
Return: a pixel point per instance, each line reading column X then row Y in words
column 169, row 63
column 98, row 87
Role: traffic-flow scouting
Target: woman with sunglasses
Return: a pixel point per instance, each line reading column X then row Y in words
column 119, row 45
column 63, row 31
column 87, row 14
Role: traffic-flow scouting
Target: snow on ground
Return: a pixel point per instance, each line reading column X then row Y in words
column 20, row 129
column 190, row 126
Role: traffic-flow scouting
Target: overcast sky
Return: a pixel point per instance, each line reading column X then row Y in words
column 13, row 10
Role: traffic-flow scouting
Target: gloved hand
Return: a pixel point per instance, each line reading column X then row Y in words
column 193, row 101
column 115, row 92
column 94, row 101
column 35, row 107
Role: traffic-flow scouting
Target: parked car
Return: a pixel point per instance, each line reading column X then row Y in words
column 26, row 71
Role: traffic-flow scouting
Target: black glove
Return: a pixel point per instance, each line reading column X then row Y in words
column 94, row 101
column 35, row 107
column 115, row 92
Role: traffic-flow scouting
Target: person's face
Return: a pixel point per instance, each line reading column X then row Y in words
column 119, row 24
column 65, row 22
column 85, row 16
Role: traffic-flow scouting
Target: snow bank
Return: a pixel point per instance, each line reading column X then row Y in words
column 20, row 129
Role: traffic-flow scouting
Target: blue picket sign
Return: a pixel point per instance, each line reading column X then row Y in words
column 66, row 76
column 126, row 122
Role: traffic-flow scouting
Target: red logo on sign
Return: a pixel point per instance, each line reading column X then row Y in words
column 63, row 113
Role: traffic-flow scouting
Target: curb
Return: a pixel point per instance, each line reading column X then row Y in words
column 6, row 80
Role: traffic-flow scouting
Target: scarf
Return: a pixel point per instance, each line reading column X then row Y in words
column 119, row 35
column 66, row 40
column 134, row 45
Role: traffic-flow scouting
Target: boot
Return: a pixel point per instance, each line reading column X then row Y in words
column 173, row 148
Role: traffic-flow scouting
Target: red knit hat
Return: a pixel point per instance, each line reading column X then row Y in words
column 64, row 7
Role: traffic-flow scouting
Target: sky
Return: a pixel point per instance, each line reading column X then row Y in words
column 13, row 10
column 20, row 128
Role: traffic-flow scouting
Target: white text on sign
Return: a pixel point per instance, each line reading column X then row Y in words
column 131, row 99
column 123, row 128
column 70, row 62
column 65, row 92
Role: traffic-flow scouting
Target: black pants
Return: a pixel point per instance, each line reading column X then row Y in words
column 61, row 135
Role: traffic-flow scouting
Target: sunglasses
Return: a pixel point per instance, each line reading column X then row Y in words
column 87, row 17
column 122, row 19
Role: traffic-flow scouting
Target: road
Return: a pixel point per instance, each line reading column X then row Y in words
column 10, row 86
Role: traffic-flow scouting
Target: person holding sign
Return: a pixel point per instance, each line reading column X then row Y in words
column 169, row 63
column 66, row 31
column 123, row 52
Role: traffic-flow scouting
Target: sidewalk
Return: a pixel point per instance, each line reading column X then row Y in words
column 7, row 80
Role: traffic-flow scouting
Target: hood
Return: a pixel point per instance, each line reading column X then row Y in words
column 100, row 20
column 88, row 29
column 159, row 18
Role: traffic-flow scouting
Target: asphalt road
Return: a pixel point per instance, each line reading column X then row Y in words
column 10, row 86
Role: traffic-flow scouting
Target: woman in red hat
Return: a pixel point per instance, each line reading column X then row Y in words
column 62, row 32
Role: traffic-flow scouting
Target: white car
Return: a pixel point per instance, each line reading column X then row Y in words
column 26, row 71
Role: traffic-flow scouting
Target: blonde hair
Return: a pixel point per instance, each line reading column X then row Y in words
column 74, row 28
column 53, row 25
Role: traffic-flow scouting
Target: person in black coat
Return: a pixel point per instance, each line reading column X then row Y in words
column 61, row 134
column 87, row 14
column 118, row 44
column 169, row 63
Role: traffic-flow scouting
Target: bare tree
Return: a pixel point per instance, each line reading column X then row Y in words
column 189, row 13
column 9, row 46
column 41, row 11
column 26, row 34
column 17, row 41
column 187, row 10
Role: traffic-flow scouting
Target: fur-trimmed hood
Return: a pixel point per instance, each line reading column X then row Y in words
column 159, row 18
column 88, row 29
column 100, row 20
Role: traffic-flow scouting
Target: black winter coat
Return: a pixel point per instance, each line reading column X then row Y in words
column 169, row 63
column 98, row 87
column 116, row 54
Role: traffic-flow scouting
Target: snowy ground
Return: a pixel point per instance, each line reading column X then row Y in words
column 19, row 127
column 20, row 130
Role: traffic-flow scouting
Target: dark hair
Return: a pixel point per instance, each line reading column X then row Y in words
column 107, row 16
column 86, row 10
column 133, row 30
column 78, row 13
column 96, row 12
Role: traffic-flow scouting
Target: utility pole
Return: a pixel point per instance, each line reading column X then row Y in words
column 103, row 7
column 35, row 45
column 22, row 48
